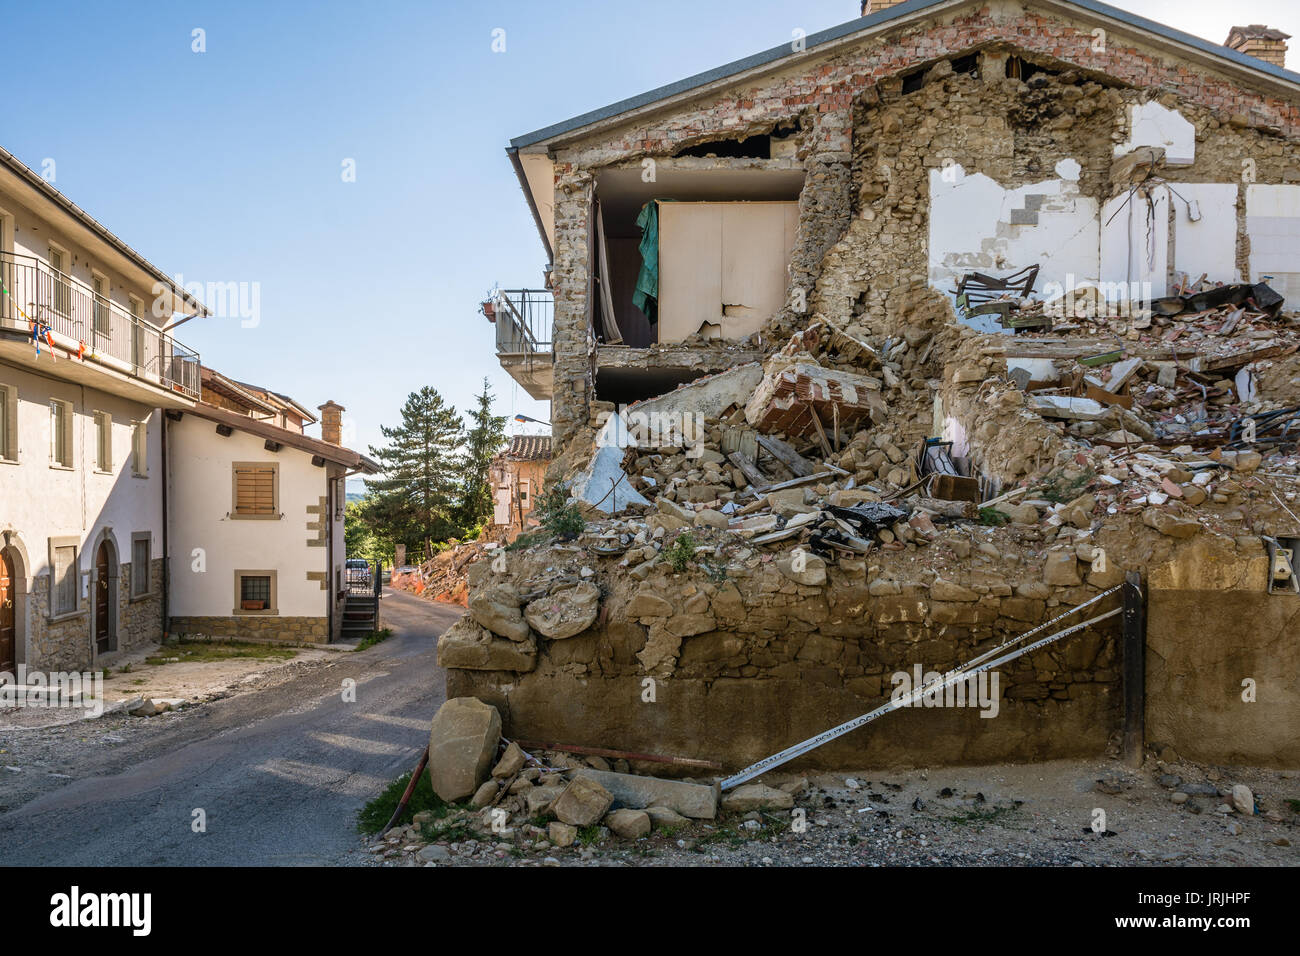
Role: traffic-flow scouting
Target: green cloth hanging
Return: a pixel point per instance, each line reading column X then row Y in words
column 646, row 295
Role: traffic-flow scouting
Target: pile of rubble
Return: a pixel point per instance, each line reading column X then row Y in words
column 443, row 577
column 545, row 800
column 831, row 449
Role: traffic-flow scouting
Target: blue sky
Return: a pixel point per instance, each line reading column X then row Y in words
column 226, row 165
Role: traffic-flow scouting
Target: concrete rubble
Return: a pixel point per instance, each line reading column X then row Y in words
column 952, row 483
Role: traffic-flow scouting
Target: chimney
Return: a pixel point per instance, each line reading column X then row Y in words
column 875, row 6
column 1259, row 41
column 331, row 422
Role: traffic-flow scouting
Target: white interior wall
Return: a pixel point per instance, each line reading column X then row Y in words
column 1207, row 247
column 1151, row 124
column 1273, row 225
column 974, row 227
column 1135, row 242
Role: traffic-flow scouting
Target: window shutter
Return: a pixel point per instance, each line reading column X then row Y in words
column 255, row 490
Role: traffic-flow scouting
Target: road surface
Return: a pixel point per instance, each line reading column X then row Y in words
column 278, row 774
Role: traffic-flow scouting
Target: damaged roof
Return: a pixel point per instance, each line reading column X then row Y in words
column 529, row 448
column 877, row 22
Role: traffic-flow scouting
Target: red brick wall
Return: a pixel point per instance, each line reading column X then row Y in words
column 833, row 84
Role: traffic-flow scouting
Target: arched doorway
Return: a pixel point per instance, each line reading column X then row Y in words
column 8, row 614
column 105, row 598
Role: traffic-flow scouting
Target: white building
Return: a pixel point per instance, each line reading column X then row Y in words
column 86, row 367
column 256, row 515
column 105, row 433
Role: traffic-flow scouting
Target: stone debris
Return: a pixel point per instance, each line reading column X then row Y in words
column 443, row 576
column 462, row 745
column 687, row 799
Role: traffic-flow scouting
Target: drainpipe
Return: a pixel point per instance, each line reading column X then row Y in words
column 166, row 520
column 330, row 584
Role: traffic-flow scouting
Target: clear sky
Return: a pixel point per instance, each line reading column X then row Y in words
column 227, row 165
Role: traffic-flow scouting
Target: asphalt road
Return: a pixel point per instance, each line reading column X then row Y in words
column 279, row 773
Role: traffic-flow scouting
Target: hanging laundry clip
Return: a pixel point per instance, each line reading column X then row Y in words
column 41, row 330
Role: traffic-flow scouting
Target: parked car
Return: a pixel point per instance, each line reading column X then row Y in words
column 357, row 571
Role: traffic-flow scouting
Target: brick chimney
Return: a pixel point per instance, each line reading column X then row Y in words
column 875, row 6
column 1259, row 41
column 331, row 422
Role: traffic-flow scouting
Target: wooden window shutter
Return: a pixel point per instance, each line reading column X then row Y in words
column 255, row 490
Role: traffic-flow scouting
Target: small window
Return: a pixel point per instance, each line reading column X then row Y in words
column 61, row 433
column 256, row 490
column 65, row 579
column 140, row 571
column 140, row 448
column 255, row 592
column 8, row 424
column 103, row 441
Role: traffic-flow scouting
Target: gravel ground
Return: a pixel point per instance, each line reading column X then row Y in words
column 1032, row 815
column 42, row 749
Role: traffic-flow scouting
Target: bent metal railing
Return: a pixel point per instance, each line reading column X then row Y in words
column 35, row 291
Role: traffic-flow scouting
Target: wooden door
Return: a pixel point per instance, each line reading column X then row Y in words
column 103, row 606
column 8, row 631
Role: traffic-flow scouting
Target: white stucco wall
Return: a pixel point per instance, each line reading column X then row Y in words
column 200, row 504
column 39, row 501
column 31, row 236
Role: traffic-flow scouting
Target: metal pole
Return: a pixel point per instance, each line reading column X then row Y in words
column 1134, row 653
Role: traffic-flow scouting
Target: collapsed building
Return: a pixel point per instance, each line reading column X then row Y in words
column 872, row 351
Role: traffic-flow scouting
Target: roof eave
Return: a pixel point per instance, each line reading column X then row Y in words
column 513, row 153
column 37, row 182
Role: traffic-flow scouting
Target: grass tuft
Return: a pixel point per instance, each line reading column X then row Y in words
column 375, row 814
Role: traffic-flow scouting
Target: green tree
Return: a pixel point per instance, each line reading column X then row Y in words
column 360, row 537
column 417, row 496
column 486, row 435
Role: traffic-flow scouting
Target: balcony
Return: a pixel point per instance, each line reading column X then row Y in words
column 103, row 345
column 524, row 319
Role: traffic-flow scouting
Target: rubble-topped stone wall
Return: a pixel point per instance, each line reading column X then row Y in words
column 735, row 662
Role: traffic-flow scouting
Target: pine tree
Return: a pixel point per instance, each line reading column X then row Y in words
column 486, row 435
column 416, row 498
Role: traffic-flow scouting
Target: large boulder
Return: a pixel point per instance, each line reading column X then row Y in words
column 756, row 796
column 629, row 824
column 462, row 745
column 497, row 609
column 565, row 613
column 582, row 803
column 469, row 646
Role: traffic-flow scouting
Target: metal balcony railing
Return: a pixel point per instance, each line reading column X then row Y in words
column 35, row 291
column 524, row 319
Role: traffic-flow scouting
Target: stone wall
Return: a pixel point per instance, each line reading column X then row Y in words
column 312, row 630
column 746, row 665
column 1218, row 691
column 141, row 618
column 63, row 645
column 67, row 644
